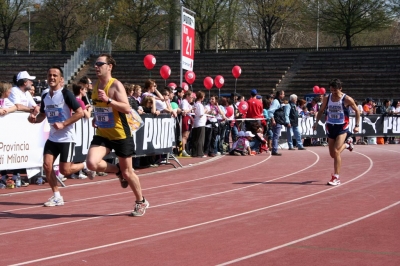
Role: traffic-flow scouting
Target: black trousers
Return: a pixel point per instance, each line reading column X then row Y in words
column 198, row 137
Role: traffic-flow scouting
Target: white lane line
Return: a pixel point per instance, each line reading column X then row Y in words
column 160, row 205
column 108, row 180
column 310, row 236
column 201, row 224
column 195, row 198
column 151, row 188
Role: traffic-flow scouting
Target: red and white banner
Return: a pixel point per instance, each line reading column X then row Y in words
column 188, row 38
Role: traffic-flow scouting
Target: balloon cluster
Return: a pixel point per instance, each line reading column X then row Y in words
column 165, row 72
column 318, row 90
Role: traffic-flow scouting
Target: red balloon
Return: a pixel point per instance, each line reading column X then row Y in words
column 185, row 86
column 316, row 89
column 236, row 71
column 208, row 83
column 149, row 61
column 242, row 107
column 219, row 81
column 322, row 90
column 165, row 71
column 190, row 77
column 229, row 111
column 172, row 85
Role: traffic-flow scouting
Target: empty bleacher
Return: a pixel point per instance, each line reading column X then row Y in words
column 365, row 73
column 36, row 65
column 259, row 70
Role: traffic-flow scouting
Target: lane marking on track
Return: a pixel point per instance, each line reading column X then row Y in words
column 161, row 205
column 151, row 188
column 310, row 236
column 204, row 223
column 113, row 179
column 385, row 149
column 200, row 197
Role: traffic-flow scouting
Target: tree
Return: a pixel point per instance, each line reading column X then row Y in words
column 207, row 14
column 62, row 20
column 271, row 15
column 347, row 18
column 139, row 17
column 10, row 13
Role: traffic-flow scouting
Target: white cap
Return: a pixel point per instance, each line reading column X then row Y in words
column 249, row 134
column 241, row 134
column 25, row 75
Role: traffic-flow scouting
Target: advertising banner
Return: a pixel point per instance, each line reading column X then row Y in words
column 188, row 40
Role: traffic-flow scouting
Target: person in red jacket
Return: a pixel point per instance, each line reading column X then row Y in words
column 255, row 109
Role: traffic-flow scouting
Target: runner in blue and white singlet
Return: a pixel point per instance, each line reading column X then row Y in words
column 336, row 105
column 337, row 117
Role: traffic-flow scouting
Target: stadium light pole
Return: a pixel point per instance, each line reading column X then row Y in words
column 29, row 30
column 317, row 24
column 216, row 40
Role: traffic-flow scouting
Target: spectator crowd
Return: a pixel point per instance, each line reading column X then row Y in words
column 239, row 125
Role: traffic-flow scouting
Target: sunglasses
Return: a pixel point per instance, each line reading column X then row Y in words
column 99, row 64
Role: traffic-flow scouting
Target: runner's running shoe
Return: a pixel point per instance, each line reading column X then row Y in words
column 334, row 181
column 124, row 183
column 140, row 208
column 53, row 201
column 91, row 174
column 349, row 141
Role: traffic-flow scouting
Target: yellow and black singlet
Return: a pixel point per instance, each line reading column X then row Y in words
column 111, row 124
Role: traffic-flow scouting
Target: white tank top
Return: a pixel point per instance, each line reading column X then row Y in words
column 335, row 111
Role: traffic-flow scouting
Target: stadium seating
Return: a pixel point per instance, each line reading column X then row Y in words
column 365, row 73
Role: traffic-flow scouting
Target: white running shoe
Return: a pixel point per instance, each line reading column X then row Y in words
column 80, row 176
column 185, row 154
column 53, row 201
column 334, row 181
column 140, row 208
column 349, row 141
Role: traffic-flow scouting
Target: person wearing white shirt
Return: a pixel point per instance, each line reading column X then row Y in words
column 199, row 124
column 186, row 120
column 164, row 106
column 20, row 95
column 6, row 106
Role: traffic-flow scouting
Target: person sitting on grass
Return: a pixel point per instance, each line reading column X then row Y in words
column 241, row 147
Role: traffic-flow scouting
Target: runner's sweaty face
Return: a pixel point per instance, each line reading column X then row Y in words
column 54, row 78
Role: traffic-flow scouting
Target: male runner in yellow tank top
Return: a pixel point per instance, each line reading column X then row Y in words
column 111, row 105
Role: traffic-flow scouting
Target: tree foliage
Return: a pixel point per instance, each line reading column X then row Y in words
column 207, row 14
column 10, row 14
column 62, row 20
column 347, row 18
column 140, row 17
column 271, row 15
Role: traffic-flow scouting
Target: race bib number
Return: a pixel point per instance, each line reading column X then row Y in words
column 336, row 117
column 104, row 117
column 54, row 115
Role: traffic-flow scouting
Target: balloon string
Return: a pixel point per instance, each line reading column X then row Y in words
column 235, row 84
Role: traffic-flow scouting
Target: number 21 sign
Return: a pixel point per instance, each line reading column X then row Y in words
column 187, row 48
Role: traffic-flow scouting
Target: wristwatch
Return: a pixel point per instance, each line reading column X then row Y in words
column 109, row 100
column 356, row 125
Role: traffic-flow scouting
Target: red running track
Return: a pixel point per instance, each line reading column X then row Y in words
column 259, row 210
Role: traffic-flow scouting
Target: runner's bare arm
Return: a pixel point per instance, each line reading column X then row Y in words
column 321, row 111
column 120, row 99
column 78, row 114
column 350, row 103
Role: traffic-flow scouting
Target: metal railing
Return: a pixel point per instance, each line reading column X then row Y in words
column 92, row 46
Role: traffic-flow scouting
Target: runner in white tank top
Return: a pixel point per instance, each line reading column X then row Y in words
column 337, row 122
